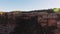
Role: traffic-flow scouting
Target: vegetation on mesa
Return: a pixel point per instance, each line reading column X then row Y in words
column 56, row 10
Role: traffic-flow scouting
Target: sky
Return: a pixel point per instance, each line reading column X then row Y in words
column 27, row 5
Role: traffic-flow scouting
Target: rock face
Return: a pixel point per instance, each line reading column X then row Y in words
column 7, row 23
column 29, row 23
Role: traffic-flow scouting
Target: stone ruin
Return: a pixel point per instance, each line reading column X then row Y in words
column 32, row 22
